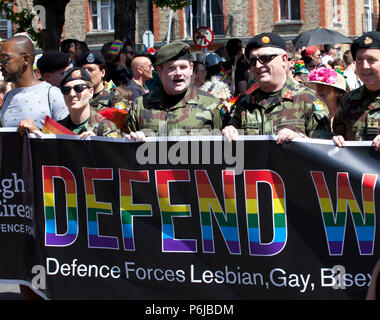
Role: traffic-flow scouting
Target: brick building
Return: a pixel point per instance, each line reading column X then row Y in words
column 92, row 20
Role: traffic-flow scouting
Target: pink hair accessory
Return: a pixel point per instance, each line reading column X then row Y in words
column 325, row 75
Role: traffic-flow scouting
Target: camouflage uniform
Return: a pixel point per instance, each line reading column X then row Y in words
column 108, row 99
column 96, row 123
column 358, row 116
column 197, row 110
column 294, row 107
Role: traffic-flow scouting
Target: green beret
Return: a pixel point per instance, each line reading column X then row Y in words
column 369, row 40
column 176, row 50
column 75, row 74
column 265, row 40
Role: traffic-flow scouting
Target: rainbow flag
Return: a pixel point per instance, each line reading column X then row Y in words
column 52, row 126
column 223, row 75
column 234, row 99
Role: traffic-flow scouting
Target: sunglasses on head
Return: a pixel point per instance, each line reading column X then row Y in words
column 78, row 88
column 263, row 59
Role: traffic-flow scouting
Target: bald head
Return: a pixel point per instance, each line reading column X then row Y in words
column 21, row 44
column 142, row 68
column 138, row 62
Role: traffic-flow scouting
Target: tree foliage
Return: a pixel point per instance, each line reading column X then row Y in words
column 23, row 17
column 172, row 4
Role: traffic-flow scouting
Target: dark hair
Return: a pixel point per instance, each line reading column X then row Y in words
column 196, row 64
column 67, row 44
column 233, row 46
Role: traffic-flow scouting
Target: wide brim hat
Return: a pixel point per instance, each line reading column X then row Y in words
column 339, row 82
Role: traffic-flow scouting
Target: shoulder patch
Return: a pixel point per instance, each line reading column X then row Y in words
column 319, row 106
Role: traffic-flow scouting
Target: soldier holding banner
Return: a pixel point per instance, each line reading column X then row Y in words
column 76, row 87
column 177, row 105
column 358, row 117
column 277, row 105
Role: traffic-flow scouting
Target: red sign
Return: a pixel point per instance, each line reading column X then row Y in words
column 203, row 37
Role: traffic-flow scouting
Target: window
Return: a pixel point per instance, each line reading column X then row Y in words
column 336, row 11
column 368, row 15
column 290, row 10
column 5, row 27
column 102, row 15
column 214, row 17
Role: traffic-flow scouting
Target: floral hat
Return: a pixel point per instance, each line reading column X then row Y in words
column 300, row 67
column 328, row 77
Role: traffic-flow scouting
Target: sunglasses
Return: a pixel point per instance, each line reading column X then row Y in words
column 5, row 59
column 265, row 58
column 78, row 88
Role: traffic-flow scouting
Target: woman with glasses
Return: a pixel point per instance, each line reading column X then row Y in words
column 77, row 89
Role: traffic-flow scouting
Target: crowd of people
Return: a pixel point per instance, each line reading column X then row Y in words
column 266, row 87
column 127, row 91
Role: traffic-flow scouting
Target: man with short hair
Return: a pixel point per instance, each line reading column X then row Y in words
column 278, row 106
column 31, row 98
column 142, row 69
column 52, row 66
column 331, row 51
column 176, row 105
column 119, row 57
column 358, row 116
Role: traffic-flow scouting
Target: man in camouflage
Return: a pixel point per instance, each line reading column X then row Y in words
column 358, row 116
column 104, row 94
column 76, row 87
column 276, row 105
column 177, row 107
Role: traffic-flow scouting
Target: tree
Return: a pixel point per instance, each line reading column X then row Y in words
column 125, row 20
column 22, row 17
column 55, row 19
column 125, row 15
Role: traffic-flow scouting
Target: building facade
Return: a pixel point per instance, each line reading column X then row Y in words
column 92, row 20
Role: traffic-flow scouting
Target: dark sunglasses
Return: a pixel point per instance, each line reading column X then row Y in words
column 78, row 88
column 265, row 58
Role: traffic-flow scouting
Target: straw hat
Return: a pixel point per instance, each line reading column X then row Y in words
column 328, row 77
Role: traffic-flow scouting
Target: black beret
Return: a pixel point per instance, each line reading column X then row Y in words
column 265, row 40
column 369, row 40
column 176, row 50
column 52, row 61
column 90, row 58
column 75, row 74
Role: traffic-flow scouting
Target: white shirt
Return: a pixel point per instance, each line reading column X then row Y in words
column 33, row 103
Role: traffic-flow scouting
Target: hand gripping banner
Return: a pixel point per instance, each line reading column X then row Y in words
column 201, row 218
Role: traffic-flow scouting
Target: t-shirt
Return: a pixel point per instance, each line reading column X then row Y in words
column 33, row 103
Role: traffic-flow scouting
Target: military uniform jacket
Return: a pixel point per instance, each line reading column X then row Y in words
column 358, row 116
column 96, row 123
column 195, row 114
column 294, row 107
column 108, row 99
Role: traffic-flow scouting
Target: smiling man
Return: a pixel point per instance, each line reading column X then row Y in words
column 358, row 116
column 176, row 107
column 278, row 106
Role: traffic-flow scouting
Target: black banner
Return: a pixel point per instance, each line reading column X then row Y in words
column 193, row 219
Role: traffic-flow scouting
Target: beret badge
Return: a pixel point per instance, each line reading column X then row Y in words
column 367, row 40
column 90, row 58
column 265, row 39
